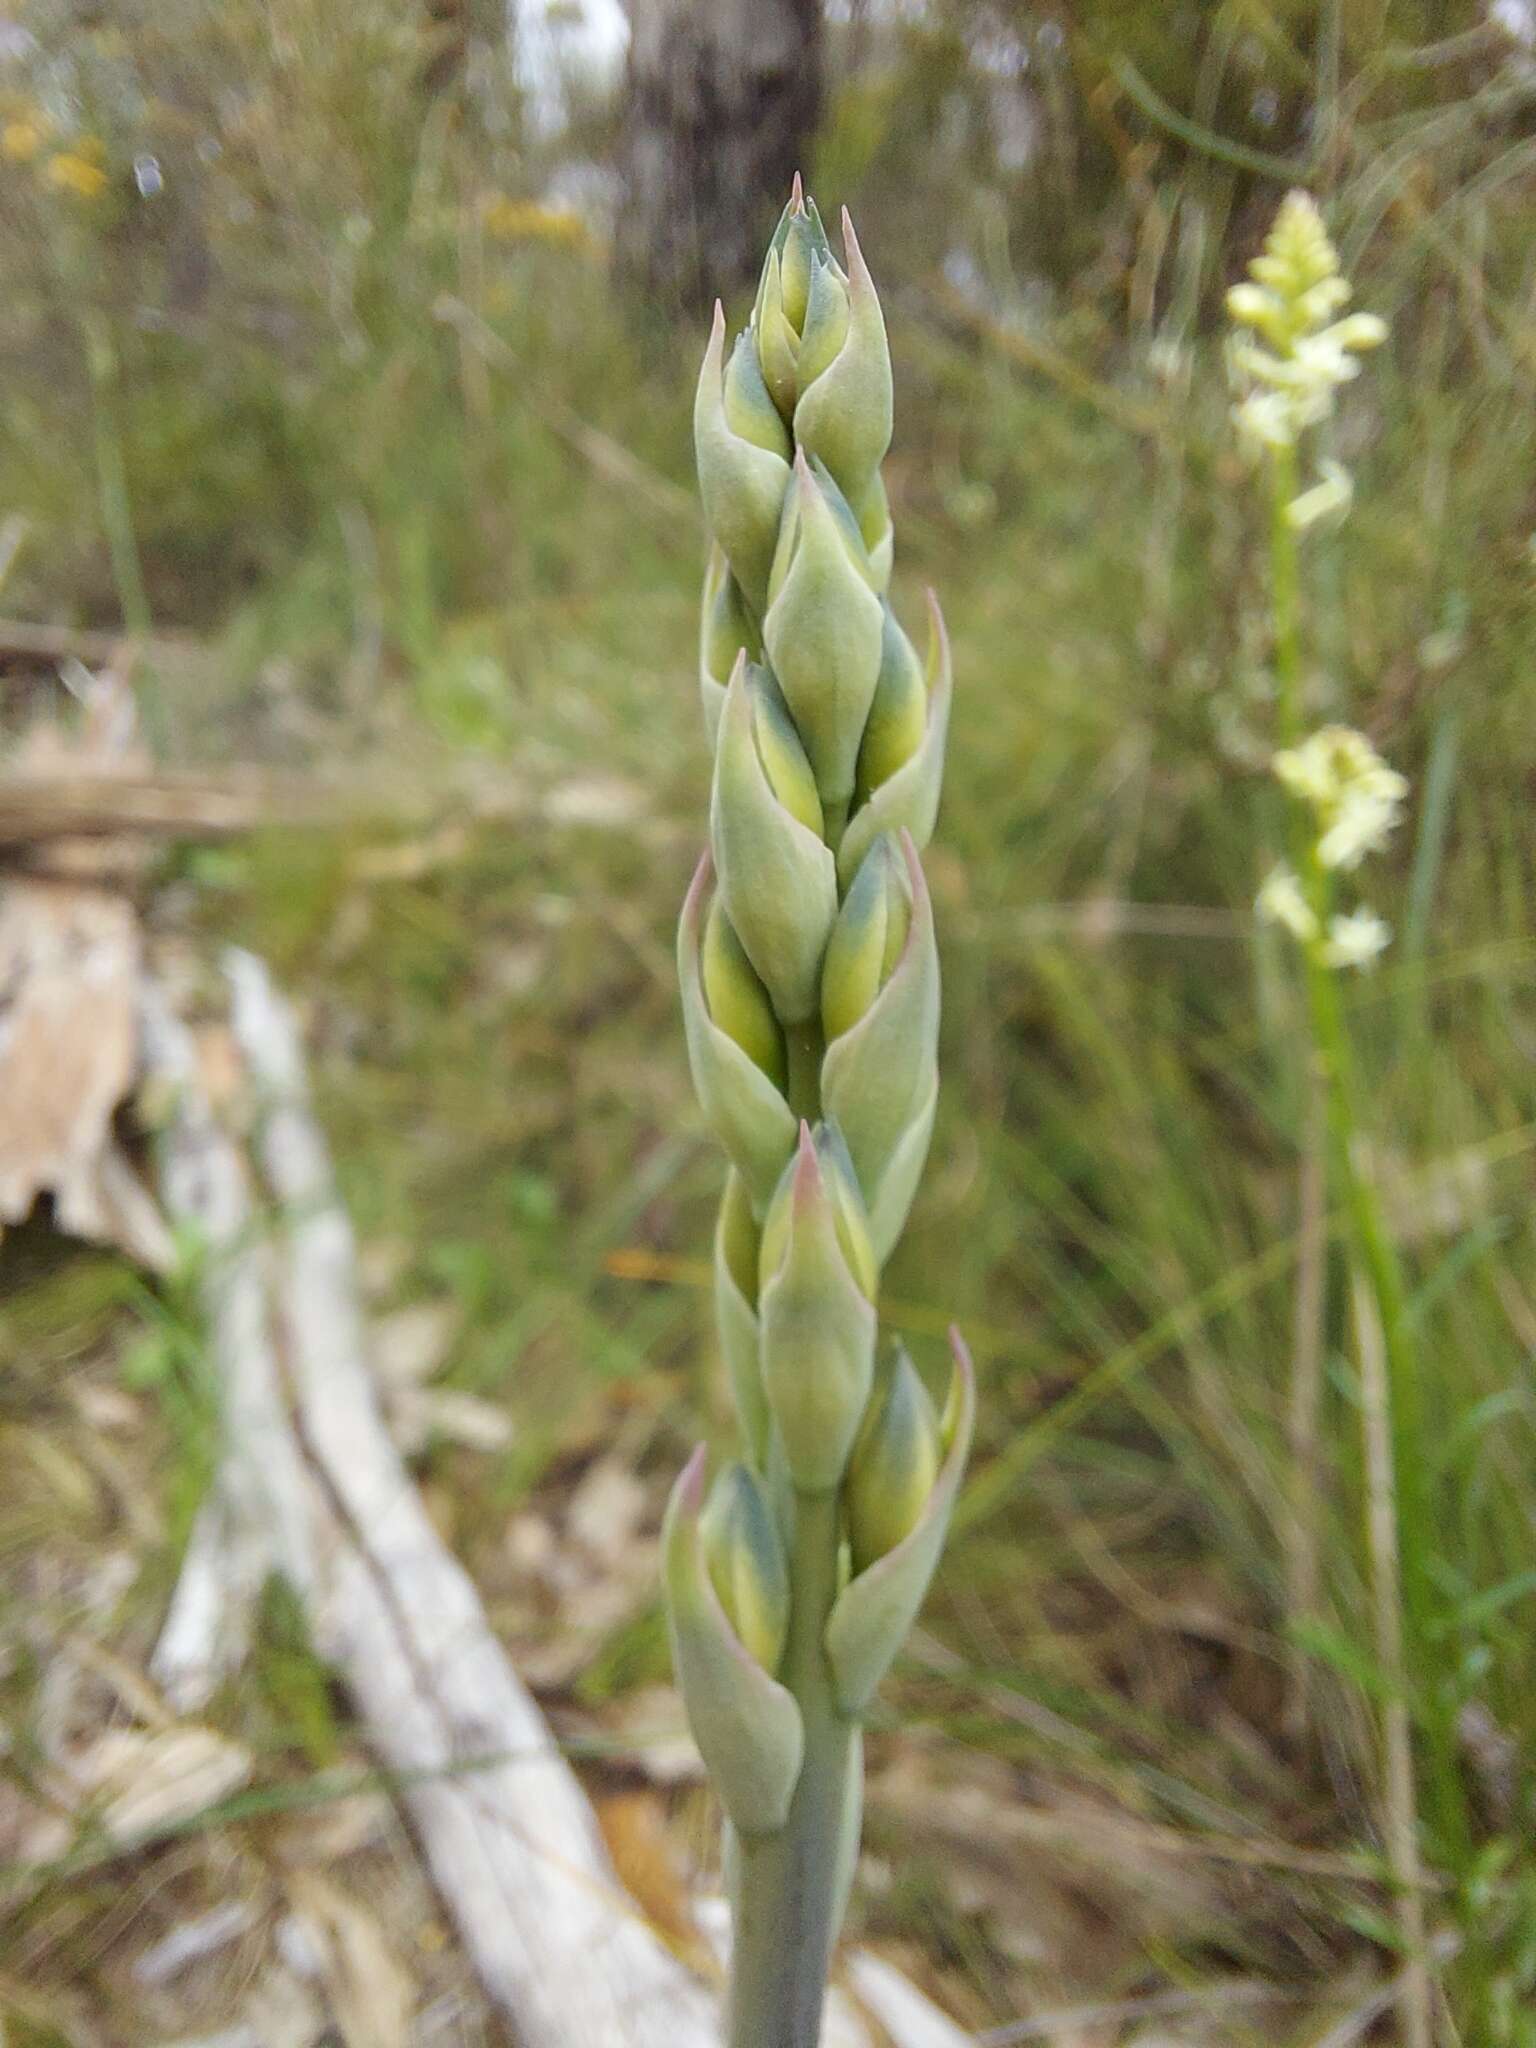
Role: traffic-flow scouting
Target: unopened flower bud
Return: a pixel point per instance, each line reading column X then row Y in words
column 746, row 1724
column 821, row 1170
column 843, row 413
column 880, row 1006
column 872, row 509
column 742, row 480
column 898, row 714
column 745, row 1555
column 737, row 1000
column 802, row 246
column 777, row 877
column 907, row 799
column 816, row 1311
column 895, row 1462
column 742, row 1101
column 871, row 1616
column 785, row 291
column 824, row 632
column 726, row 631
column 749, row 410
column 866, row 941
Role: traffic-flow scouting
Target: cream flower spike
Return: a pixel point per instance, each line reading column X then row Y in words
column 1288, row 353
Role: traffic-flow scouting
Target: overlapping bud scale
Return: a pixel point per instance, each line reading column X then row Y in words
column 810, row 986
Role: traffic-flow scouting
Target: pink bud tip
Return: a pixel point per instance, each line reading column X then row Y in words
column 693, row 902
column 690, row 1482
column 962, row 1356
column 807, row 1182
column 938, row 631
column 797, row 194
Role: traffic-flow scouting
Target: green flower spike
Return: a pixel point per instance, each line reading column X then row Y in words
column 811, row 1003
column 747, row 1726
column 816, row 1308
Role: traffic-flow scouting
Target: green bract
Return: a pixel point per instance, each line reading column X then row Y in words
column 742, row 481
column 894, row 1465
column 777, row 874
column 749, row 1114
column 824, row 633
column 818, row 1321
column 880, row 1009
column 745, row 1554
column 748, row 1727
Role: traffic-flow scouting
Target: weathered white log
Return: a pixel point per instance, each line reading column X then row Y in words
column 261, row 1515
column 511, row 1839
column 907, row 2015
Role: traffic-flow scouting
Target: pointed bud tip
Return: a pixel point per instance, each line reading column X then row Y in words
column 807, row 1181
column 797, row 193
column 961, row 1355
column 689, row 1491
column 858, row 269
column 693, row 902
column 915, row 875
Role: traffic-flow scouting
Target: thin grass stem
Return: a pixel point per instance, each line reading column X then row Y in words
column 1303, row 1559
column 1415, row 1990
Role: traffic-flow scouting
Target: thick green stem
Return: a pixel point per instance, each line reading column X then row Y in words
column 790, row 1886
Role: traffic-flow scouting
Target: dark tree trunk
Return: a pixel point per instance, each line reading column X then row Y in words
column 723, row 101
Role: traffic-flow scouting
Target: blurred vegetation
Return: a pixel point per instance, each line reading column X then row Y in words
column 306, row 356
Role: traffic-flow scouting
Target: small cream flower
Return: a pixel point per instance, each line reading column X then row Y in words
column 1356, row 939
column 1355, row 797
column 1280, row 901
column 1332, row 494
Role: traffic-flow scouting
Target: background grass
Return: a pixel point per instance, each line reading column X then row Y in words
column 353, row 403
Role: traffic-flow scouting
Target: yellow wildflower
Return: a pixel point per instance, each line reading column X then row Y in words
column 71, row 172
column 527, row 220
column 20, row 141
